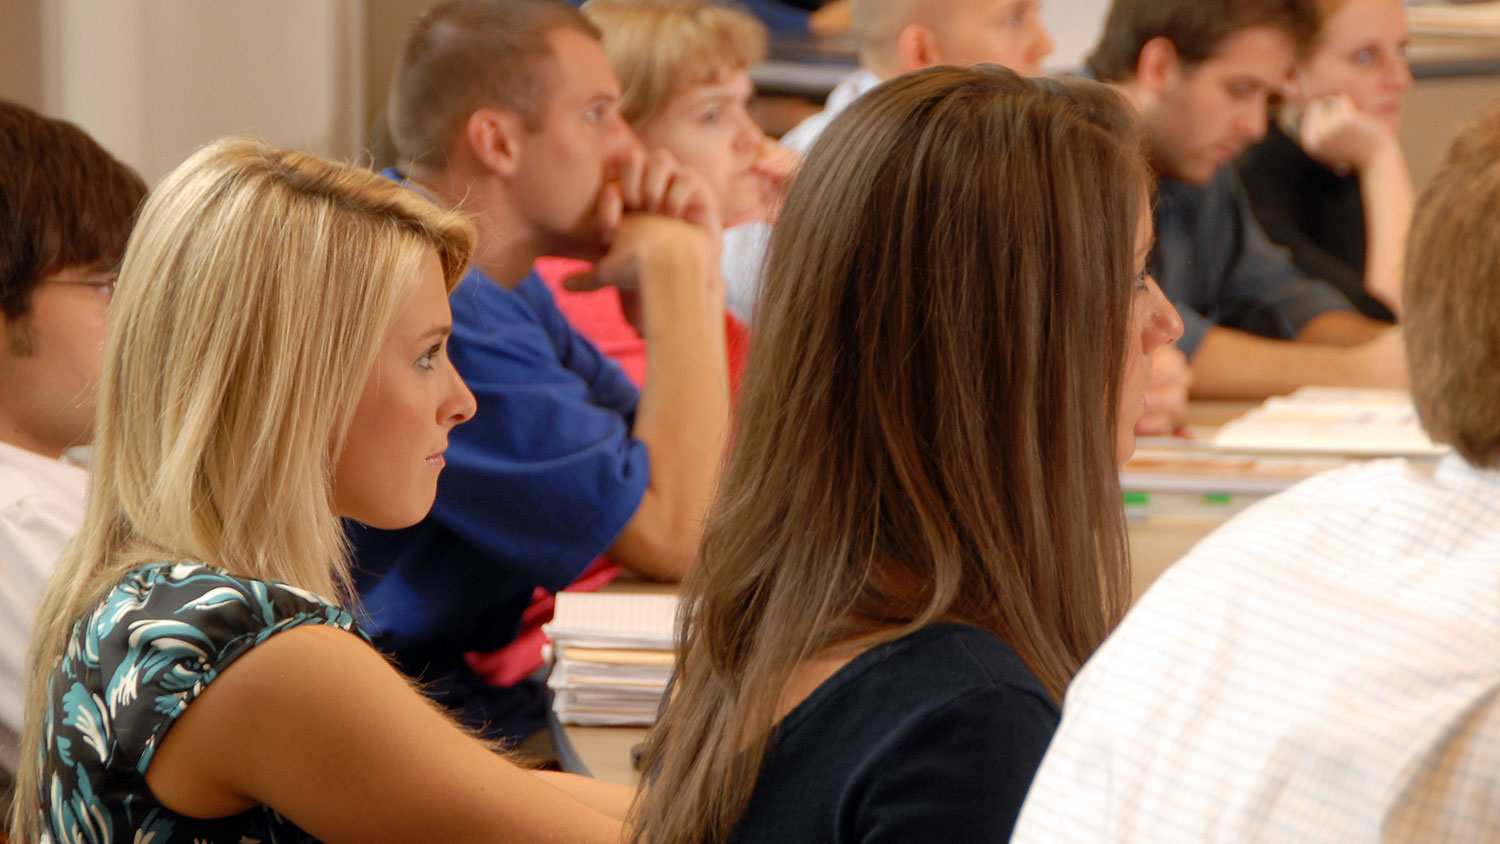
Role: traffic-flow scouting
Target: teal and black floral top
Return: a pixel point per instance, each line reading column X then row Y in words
column 132, row 667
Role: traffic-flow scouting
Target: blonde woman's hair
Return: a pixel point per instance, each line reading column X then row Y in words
column 255, row 292
column 659, row 47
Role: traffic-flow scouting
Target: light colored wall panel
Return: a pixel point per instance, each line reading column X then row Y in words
column 155, row 79
column 1436, row 108
column 21, row 52
column 1075, row 26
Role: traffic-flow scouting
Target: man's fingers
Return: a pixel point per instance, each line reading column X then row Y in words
column 661, row 170
column 632, row 171
column 1154, row 424
column 682, row 194
column 582, row 282
column 611, row 211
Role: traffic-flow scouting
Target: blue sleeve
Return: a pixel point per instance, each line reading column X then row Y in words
column 959, row 774
column 1263, row 291
column 1194, row 326
column 546, row 474
column 1217, row 266
column 781, row 17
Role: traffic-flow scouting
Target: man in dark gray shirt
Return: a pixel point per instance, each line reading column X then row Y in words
column 1200, row 73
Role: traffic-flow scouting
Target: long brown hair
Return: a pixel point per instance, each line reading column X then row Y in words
column 927, row 427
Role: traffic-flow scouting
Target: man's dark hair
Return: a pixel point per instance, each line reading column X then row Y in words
column 467, row 54
column 1196, row 28
column 64, row 202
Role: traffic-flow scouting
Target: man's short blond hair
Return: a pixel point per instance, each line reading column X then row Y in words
column 878, row 23
column 1452, row 296
column 463, row 55
column 659, row 47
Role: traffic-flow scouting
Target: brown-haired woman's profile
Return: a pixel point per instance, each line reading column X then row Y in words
column 919, row 538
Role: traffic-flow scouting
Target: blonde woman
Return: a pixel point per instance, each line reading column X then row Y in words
column 1330, row 181
column 684, row 71
column 275, row 361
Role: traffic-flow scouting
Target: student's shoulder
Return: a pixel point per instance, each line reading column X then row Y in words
column 218, row 607
column 948, row 661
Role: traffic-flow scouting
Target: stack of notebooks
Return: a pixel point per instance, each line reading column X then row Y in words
column 612, row 656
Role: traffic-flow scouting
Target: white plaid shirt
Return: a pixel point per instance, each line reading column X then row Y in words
column 1324, row 667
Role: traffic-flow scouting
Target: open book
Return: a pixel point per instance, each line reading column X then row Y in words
column 1328, row 420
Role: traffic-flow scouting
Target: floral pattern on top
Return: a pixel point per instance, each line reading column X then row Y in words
column 131, row 668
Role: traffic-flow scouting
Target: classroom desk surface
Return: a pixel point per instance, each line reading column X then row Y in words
column 1155, row 543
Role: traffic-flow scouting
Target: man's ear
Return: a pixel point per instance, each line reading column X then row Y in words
column 916, row 48
column 1157, row 65
column 497, row 139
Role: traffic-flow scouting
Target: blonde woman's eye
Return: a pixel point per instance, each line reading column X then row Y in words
column 429, row 358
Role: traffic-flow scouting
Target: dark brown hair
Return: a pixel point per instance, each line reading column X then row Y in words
column 466, row 54
column 1452, row 295
column 1196, row 28
column 64, row 202
column 927, row 425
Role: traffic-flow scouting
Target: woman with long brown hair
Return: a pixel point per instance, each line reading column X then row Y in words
column 919, row 538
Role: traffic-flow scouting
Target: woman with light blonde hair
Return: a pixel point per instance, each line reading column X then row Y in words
column 684, row 71
column 1330, row 181
column 275, row 361
column 919, row 537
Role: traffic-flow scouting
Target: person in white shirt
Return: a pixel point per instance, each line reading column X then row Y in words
column 894, row 37
column 897, row 36
column 1325, row 667
column 68, row 207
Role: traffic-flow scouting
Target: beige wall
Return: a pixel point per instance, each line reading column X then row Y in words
column 155, row 79
column 21, row 52
column 1435, row 110
column 385, row 26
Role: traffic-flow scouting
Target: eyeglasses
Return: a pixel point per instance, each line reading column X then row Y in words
column 104, row 282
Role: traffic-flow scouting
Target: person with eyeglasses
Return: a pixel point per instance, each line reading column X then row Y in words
column 67, row 208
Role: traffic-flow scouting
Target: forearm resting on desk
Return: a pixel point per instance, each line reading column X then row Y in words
column 1232, row 364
